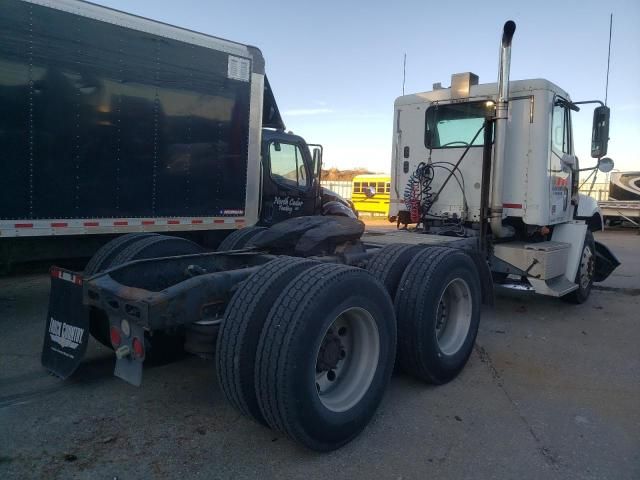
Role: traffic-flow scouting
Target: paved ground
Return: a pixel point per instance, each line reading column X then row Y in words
column 552, row 391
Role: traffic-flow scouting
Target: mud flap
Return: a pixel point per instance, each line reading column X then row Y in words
column 606, row 262
column 66, row 334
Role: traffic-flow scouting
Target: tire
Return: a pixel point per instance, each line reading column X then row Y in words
column 155, row 247
column 101, row 261
column 159, row 346
column 102, row 258
column 586, row 270
column 238, row 239
column 438, row 312
column 388, row 264
column 299, row 348
column 240, row 331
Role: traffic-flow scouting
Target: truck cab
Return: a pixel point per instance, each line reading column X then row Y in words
column 496, row 162
column 290, row 173
column 541, row 170
column 290, row 177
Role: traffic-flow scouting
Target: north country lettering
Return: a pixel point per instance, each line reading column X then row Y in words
column 65, row 331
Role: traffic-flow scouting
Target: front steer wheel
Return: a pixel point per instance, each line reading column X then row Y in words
column 325, row 355
column 586, row 270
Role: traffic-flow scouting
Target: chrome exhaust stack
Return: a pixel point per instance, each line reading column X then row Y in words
column 502, row 113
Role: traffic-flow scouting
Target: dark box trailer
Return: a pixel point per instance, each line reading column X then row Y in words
column 112, row 123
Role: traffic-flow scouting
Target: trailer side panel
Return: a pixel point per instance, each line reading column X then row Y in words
column 104, row 121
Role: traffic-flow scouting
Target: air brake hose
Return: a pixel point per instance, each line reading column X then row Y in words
column 418, row 197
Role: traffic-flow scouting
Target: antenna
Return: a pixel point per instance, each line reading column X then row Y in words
column 606, row 88
column 404, row 72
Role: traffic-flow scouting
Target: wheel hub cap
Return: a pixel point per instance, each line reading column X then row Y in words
column 453, row 317
column 331, row 352
column 587, row 267
column 347, row 359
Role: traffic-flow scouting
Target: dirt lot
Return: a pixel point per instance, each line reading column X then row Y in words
column 551, row 391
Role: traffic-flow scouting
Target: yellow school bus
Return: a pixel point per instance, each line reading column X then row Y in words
column 371, row 193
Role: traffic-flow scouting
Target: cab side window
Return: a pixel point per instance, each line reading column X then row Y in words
column 560, row 129
column 287, row 165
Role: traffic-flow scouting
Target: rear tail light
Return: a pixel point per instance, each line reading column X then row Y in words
column 65, row 275
column 138, row 347
column 116, row 338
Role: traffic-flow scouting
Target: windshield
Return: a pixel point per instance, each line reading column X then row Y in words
column 454, row 125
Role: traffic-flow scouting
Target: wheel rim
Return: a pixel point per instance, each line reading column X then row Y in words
column 346, row 359
column 586, row 267
column 453, row 318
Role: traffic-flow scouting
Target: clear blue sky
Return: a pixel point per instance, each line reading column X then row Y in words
column 336, row 66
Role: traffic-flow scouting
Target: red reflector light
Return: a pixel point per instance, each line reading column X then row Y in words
column 138, row 348
column 116, row 339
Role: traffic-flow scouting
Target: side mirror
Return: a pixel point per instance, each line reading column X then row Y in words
column 600, row 132
column 605, row 165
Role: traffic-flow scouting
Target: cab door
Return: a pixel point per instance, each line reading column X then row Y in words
column 562, row 163
column 288, row 179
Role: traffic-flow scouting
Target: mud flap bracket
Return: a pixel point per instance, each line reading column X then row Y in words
column 128, row 360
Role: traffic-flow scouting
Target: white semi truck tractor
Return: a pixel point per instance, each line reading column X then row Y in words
column 496, row 161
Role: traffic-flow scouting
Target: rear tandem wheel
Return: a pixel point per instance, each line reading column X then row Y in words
column 240, row 330
column 390, row 262
column 438, row 310
column 161, row 345
column 239, row 238
column 325, row 355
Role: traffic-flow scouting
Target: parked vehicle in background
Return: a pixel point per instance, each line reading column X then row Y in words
column 624, row 199
column 108, row 129
column 624, row 186
column 371, row 193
